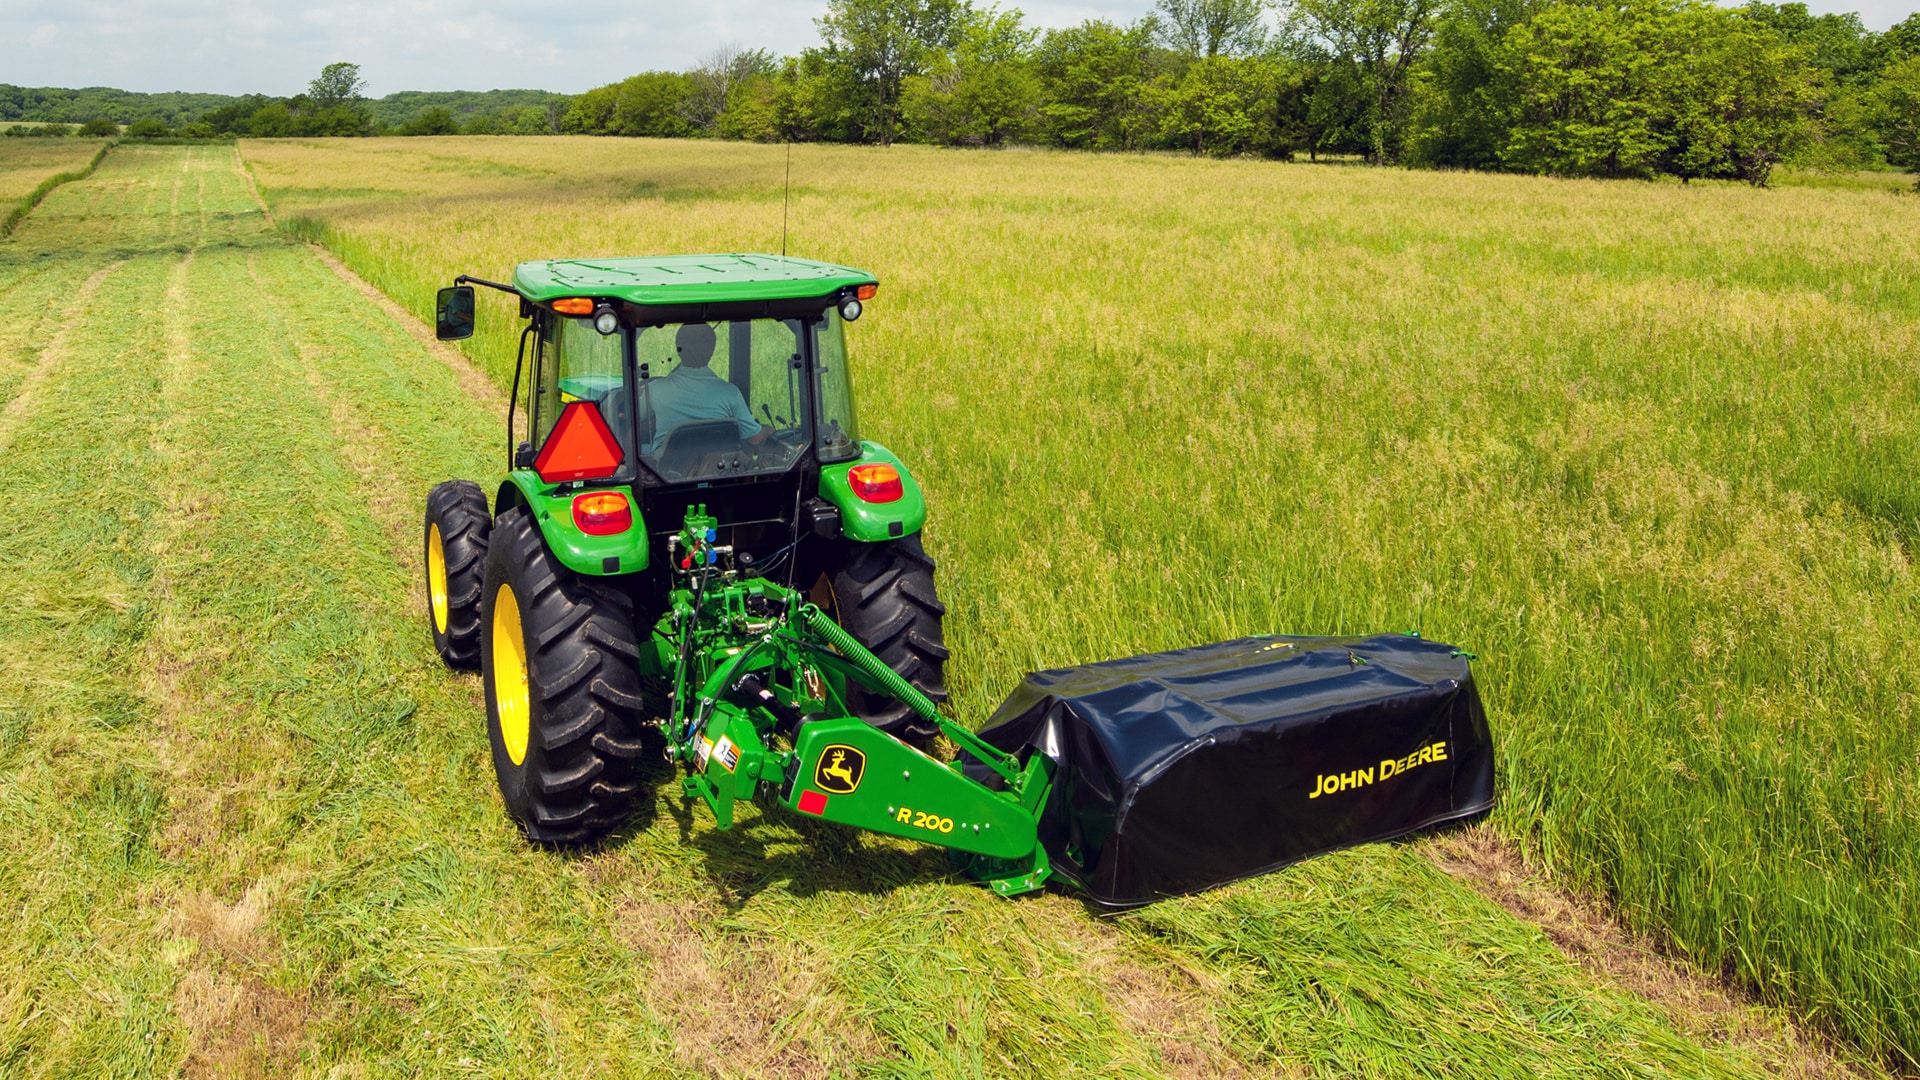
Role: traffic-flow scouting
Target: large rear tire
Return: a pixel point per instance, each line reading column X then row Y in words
column 565, row 712
column 883, row 595
column 455, row 540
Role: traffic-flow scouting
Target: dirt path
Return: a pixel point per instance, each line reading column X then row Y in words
column 250, row 826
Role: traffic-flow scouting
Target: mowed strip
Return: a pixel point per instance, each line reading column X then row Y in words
column 252, row 830
column 87, row 980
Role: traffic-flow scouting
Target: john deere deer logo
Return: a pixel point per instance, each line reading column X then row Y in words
column 838, row 772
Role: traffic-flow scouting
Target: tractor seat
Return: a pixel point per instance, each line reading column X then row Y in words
column 613, row 409
column 689, row 444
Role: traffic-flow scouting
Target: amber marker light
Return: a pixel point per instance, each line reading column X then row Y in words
column 574, row 305
column 876, row 483
column 865, row 292
column 602, row 513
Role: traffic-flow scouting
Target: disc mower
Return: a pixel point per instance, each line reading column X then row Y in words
column 695, row 555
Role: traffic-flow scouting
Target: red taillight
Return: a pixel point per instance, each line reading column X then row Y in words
column 876, row 483
column 580, row 447
column 602, row 513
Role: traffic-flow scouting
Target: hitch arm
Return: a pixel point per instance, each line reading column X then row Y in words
column 881, row 677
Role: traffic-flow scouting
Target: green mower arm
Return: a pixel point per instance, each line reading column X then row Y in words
column 756, row 675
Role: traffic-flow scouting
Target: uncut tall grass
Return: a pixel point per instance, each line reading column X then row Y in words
column 24, row 163
column 1648, row 450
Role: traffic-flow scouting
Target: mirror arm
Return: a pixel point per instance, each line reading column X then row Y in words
column 465, row 278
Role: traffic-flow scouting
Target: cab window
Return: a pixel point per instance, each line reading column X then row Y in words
column 720, row 399
column 837, row 435
column 578, row 363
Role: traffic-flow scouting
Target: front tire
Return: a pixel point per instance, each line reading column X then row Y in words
column 455, row 552
column 565, row 713
column 883, row 595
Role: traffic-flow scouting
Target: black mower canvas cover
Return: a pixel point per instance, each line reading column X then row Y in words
column 1184, row 770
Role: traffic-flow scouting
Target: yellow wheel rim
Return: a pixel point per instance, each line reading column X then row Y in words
column 437, row 578
column 510, row 674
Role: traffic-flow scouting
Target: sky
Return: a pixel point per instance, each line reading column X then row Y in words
column 250, row 46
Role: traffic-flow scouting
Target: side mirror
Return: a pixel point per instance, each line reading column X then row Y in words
column 453, row 313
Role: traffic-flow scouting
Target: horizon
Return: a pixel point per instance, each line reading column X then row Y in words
column 258, row 49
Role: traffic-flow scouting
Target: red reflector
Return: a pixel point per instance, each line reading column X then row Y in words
column 865, row 292
column 580, row 447
column 876, row 483
column 602, row 513
column 812, row 802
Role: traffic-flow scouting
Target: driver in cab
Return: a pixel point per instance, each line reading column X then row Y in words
column 691, row 393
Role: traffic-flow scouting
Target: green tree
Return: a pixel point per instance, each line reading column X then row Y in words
column 337, row 85
column 983, row 92
column 752, row 109
column 1094, row 85
column 434, row 121
column 1895, row 112
column 1739, row 97
column 98, row 127
column 231, row 118
column 512, row 120
column 1901, row 40
column 881, row 43
column 817, row 99
column 1378, row 42
column 1586, row 90
column 1224, row 106
column 148, row 128
column 1206, row 28
column 591, row 113
column 652, row 104
column 1834, row 43
column 1460, row 107
column 716, row 79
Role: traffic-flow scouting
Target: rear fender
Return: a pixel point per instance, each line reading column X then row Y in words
column 551, row 507
column 874, row 522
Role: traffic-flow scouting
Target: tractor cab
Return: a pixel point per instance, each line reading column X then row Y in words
column 664, row 382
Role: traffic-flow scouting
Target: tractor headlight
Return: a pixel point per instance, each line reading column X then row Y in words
column 850, row 309
column 606, row 321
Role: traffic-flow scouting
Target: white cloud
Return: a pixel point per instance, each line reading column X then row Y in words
column 242, row 46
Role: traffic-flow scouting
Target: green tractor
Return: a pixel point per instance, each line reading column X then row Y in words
column 694, row 555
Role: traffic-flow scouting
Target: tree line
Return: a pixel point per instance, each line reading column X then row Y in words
column 1569, row 87
column 1616, row 88
column 333, row 104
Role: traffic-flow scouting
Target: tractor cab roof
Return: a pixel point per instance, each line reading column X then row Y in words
column 685, row 279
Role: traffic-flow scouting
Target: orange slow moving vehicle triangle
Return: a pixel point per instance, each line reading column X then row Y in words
column 580, row 448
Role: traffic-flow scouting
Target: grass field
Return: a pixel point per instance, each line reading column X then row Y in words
column 24, row 163
column 248, row 822
column 1647, row 449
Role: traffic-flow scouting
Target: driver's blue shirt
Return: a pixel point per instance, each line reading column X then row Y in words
column 691, row 395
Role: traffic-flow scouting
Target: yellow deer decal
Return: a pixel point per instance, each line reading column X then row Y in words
column 838, row 769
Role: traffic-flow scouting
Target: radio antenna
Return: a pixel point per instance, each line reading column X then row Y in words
column 786, row 196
